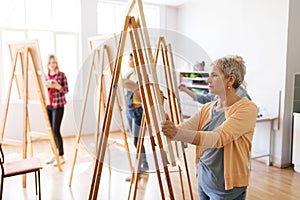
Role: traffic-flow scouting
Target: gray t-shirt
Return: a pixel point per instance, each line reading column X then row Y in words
column 211, row 165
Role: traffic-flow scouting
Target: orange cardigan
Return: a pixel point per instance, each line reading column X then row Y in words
column 235, row 135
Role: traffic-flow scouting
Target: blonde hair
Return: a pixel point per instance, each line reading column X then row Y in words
column 232, row 65
column 51, row 56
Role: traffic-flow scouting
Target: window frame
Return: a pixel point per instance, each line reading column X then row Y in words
column 52, row 29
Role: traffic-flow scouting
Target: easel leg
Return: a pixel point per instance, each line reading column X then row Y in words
column 123, row 130
column 136, row 171
column 108, row 116
column 180, row 174
column 177, row 109
column 148, row 121
column 25, row 110
column 8, row 95
column 138, row 52
column 187, row 171
column 108, row 155
column 30, row 148
column 73, row 163
column 124, row 136
column 43, row 104
column 77, row 142
column 157, row 167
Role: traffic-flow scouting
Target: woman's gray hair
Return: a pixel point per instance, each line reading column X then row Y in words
column 232, row 65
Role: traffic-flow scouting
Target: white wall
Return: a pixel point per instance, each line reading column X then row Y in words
column 168, row 17
column 256, row 30
column 88, row 25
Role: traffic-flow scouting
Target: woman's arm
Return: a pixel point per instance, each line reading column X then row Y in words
column 192, row 123
column 183, row 88
column 64, row 85
column 239, row 123
column 131, row 86
column 204, row 98
column 187, row 128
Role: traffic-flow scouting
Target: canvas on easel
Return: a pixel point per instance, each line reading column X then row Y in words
column 27, row 71
column 34, row 64
column 102, row 66
column 107, row 44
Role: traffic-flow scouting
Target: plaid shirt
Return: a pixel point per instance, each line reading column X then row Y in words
column 58, row 96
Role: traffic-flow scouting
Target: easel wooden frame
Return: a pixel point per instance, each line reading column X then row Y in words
column 145, row 90
column 145, row 40
column 173, row 101
column 150, row 95
column 24, row 54
column 100, row 107
column 175, row 114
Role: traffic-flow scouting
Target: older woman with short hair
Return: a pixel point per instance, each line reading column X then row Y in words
column 222, row 131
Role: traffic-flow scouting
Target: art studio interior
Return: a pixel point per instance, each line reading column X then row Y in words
column 150, row 99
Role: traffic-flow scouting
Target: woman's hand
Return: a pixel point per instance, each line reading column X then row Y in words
column 169, row 129
column 53, row 84
column 57, row 86
column 130, row 85
column 182, row 87
column 50, row 84
column 161, row 96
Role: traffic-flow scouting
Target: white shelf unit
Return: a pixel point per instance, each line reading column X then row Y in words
column 195, row 80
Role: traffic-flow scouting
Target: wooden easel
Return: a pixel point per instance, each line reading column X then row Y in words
column 27, row 54
column 173, row 101
column 150, row 96
column 175, row 114
column 101, row 106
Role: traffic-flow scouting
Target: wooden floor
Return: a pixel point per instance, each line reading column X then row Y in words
column 266, row 182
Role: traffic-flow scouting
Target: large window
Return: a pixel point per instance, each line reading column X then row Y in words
column 111, row 16
column 52, row 22
column 111, row 19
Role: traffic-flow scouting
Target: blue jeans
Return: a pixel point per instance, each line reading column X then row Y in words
column 134, row 118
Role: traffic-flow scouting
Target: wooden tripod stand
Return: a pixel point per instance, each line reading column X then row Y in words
column 175, row 114
column 150, row 98
column 100, row 82
column 151, row 101
column 26, row 61
column 173, row 102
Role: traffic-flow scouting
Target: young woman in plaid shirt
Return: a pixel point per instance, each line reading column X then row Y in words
column 57, row 87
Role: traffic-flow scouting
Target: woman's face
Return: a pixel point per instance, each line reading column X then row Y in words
column 52, row 64
column 216, row 81
column 130, row 62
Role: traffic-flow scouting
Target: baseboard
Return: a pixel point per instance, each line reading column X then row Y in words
column 281, row 166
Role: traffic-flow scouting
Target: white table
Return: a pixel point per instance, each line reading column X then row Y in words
column 271, row 120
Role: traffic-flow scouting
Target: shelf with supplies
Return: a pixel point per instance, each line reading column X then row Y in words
column 194, row 80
